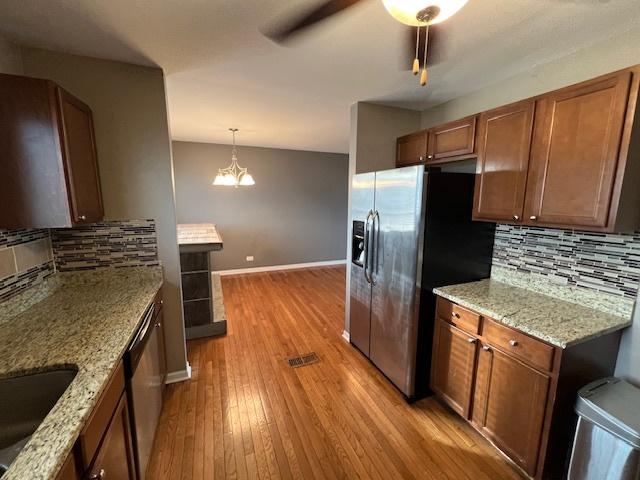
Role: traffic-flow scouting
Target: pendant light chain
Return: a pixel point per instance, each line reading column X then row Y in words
column 416, row 61
column 423, row 76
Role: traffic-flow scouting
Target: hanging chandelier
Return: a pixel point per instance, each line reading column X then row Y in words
column 234, row 175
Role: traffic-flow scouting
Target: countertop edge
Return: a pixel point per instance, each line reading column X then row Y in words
column 504, row 319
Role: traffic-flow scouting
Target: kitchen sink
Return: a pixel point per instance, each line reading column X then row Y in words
column 24, row 402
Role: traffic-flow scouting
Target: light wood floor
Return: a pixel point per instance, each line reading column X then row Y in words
column 247, row 414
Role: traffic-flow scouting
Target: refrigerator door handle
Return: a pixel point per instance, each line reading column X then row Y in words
column 367, row 235
column 376, row 243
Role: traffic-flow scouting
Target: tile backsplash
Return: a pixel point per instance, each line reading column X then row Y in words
column 25, row 260
column 608, row 263
column 106, row 244
column 28, row 256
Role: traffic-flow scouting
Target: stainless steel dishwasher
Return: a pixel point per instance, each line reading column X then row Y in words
column 144, row 386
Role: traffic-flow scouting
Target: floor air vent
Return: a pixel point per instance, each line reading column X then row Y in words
column 302, row 360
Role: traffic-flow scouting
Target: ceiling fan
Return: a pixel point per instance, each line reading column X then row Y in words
column 416, row 14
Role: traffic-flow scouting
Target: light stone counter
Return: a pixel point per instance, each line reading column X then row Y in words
column 557, row 321
column 85, row 320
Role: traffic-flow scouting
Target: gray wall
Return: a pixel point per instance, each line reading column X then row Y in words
column 134, row 155
column 614, row 54
column 374, row 130
column 10, row 58
column 372, row 146
column 295, row 213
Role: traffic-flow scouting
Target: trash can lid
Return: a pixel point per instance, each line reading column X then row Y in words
column 614, row 405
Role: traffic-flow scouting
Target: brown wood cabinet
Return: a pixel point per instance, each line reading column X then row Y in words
column 565, row 159
column 516, row 390
column 576, row 152
column 453, row 366
column 504, row 141
column 452, row 139
column 511, row 403
column 69, row 470
column 411, row 149
column 114, row 458
column 49, row 163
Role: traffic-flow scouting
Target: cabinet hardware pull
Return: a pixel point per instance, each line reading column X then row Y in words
column 429, row 157
column 98, row 476
column 421, row 158
column 513, row 343
column 82, row 217
column 516, row 217
column 533, row 217
column 486, row 348
column 455, row 314
column 471, row 340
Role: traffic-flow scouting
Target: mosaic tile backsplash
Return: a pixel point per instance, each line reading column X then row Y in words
column 25, row 260
column 106, row 244
column 607, row 263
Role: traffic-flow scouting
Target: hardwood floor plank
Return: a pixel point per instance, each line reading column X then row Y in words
column 247, row 414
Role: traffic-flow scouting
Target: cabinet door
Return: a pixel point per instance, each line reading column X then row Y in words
column 452, row 139
column 114, row 458
column 504, row 141
column 510, row 405
column 453, row 365
column 411, row 149
column 80, row 159
column 69, row 470
column 575, row 153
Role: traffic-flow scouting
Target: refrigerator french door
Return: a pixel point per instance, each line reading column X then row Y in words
column 389, row 205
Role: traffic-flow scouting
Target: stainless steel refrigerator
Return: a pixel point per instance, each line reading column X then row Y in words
column 412, row 231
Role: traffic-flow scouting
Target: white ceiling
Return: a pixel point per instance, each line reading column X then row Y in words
column 222, row 72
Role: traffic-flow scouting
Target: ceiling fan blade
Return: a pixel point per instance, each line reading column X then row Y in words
column 285, row 30
column 434, row 50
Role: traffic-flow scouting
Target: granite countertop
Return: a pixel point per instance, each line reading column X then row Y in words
column 554, row 320
column 85, row 320
column 198, row 234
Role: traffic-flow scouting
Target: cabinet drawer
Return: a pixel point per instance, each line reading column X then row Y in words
column 532, row 351
column 92, row 433
column 458, row 316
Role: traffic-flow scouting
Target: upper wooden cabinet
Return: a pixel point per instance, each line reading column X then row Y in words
column 504, row 141
column 452, row 139
column 411, row 149
column 442, row 143
column 566, row 159
column 49, row 163
column 575, row 157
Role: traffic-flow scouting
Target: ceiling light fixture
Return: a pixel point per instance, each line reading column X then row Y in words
column 422, row 13
column 234, row 175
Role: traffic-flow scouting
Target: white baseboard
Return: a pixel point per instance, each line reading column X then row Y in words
column 179, row 376
column 346, row 335
column 275, row 268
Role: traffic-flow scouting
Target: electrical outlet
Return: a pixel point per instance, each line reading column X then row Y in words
column 249, row 258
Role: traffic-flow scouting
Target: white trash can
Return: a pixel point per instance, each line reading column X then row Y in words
column 607, row 441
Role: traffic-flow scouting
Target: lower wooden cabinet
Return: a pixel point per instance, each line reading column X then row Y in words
column 453, row 366
column 516, row 390
column 114, row 459
column 69, row 470
column 510, row 403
